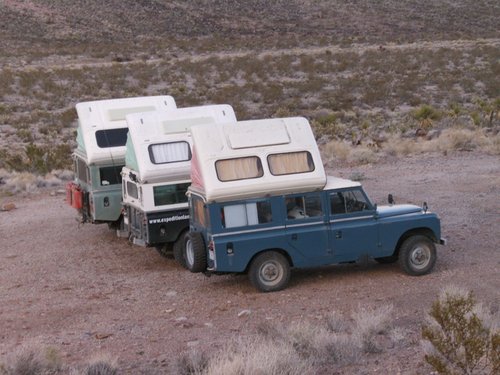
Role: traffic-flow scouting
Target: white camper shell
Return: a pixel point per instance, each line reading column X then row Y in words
column 102, row 128
column 255, row 158
column 159, row 143
column 156, row 175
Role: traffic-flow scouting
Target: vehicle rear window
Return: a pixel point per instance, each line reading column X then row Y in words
column 171, row 152
column 110, row 175
column 111, row 137
column 239, row 168
column 170, row 194
column 290, row 163
column 132, row 190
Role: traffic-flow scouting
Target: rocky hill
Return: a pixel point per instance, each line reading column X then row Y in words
column 43, row 23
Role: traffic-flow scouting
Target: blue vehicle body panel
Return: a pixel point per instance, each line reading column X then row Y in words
column 313, row 240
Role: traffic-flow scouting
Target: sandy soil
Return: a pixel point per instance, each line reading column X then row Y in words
column 83, row 291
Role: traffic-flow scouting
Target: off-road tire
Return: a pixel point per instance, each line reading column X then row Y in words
column 179, row 246
column 417, row 255
column 195, row 254
column 269, row 272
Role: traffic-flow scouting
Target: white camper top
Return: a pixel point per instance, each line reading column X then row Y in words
column 159, row 143
column 255, row 158
column 102, row 129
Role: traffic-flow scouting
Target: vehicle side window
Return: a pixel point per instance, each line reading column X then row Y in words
column 239, row 168
column 82, row 171
column 343, row 202
column 170, row 152
column 170, row 194
column 299, row 207
column 239, row 215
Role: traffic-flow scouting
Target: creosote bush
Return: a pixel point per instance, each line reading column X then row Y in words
column 461, row 337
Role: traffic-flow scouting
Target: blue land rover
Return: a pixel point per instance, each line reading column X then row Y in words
column 262, row 203
column 267, row 236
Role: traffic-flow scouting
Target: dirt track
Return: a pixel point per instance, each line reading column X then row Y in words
column 83, row 291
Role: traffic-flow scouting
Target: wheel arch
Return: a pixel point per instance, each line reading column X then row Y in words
column 423, row 231
column 278, row 250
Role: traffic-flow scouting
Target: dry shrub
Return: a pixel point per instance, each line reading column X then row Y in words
column 460, row 140
column 33, row 361
column 336, row 150
column 191, row 363
column 493, row 146
column 299, row 348
column 362, row 155
column 371, row 322
column 20, row 182
column 259, row 356
column 397, row 146
column 101, row 365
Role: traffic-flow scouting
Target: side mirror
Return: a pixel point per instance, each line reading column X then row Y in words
column 390, row 199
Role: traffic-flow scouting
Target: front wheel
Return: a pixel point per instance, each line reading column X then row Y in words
column 195, row 254
column 269, row 272
column 417, row 255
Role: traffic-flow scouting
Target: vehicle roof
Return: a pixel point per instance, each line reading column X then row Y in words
column 108, row 114
column 254, row 138
column 339, row 183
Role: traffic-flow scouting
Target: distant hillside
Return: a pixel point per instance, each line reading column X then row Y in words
column 65, row 22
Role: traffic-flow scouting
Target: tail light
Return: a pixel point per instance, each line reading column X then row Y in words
column 211, row 250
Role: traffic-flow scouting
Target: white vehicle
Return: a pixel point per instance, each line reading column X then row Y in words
column 100, row 155
column 157, row 173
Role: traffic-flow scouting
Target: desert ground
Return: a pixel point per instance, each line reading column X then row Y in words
column 402, row 96
column 84, row 292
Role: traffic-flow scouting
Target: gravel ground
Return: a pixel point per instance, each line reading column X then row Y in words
column 85, row 292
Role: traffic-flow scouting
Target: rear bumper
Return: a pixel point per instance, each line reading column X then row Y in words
column 443, row 241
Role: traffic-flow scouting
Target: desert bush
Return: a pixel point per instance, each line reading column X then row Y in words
column 460, row 140
column 259, row 356
column 363, row 155
column 460, row 336
column 425, row 115
column 33, row 361
column 191, row 363
column 101, row 366
column 371, row 322
column 37, row 159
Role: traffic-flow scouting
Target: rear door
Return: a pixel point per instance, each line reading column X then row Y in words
column 307, row 228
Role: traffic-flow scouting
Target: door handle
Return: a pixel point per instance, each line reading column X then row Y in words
column 338, row 234
column 294, row 236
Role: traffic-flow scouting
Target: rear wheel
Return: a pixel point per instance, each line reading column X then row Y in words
column 179, row 249
column 195, row 255
column 269, row 272
column 417, row 255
